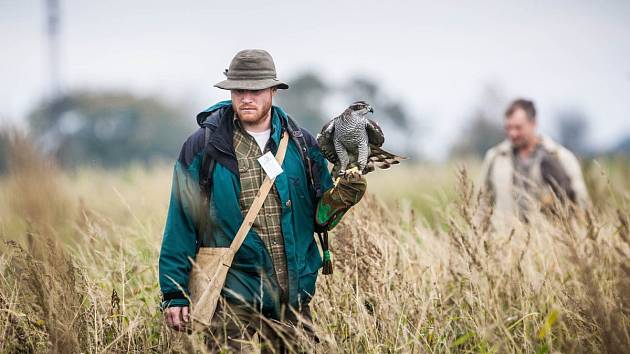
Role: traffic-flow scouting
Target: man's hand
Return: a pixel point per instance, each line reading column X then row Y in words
column 350, row 189
column 177, row 317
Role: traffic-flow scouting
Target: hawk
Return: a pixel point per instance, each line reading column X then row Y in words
column 353, row 140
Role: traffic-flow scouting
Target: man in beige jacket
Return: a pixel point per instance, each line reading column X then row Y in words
column 527, row 169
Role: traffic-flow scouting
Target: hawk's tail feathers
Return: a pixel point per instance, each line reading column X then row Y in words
column 381, row 159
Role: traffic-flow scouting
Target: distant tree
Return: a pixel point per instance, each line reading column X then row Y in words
column 362, row 88
column 480, row 135
column 484, row 128
column 573, row 131
column 304, row 100
column 622, row 147
column 108, row 128
column 4, row 149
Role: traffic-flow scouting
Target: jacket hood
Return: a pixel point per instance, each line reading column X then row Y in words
column 203, row 115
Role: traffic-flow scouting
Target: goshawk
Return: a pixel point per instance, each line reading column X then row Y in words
column 351, row 140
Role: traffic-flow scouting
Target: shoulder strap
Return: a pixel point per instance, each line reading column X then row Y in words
column 300, row 141
column 248, row 221
column 205, row 184
column 207, row 165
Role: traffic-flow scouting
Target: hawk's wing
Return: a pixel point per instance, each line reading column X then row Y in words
column 378, row 158
column 326, row 142
column 375, row 134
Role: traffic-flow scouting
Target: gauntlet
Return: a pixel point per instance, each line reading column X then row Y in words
column 335, row 202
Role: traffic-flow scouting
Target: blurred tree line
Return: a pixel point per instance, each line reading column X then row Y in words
column 115, row 128
column 108, row 128
column 112, row 129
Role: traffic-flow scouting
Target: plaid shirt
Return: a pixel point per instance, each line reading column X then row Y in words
column 267, row 224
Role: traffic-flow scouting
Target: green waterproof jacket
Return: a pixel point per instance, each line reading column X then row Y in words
column 251, row 278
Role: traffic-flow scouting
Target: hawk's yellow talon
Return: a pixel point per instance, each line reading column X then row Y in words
column 353, row 170
column 336, row 182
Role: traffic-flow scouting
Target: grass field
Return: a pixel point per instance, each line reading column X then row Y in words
column 415, row 272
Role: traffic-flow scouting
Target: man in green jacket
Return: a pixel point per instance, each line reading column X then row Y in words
column 274, row 272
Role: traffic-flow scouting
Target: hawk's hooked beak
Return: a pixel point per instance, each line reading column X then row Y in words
column 370, row 109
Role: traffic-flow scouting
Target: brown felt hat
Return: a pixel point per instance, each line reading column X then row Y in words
column 251, row 69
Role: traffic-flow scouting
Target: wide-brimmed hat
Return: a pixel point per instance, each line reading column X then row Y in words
column 251, row 69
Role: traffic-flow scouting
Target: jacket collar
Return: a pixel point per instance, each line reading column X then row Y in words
column 219, row 118
column 505, row 147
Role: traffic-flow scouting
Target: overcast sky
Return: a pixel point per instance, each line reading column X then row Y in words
column 436, row 57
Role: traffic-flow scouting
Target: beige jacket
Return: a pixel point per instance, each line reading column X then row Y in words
column 497, row 175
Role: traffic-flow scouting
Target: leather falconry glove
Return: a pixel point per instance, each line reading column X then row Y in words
column 338, row 200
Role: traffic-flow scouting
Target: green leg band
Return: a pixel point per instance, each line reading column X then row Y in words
column 326, row 255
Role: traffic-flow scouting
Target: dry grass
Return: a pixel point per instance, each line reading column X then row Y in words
column 80, row 271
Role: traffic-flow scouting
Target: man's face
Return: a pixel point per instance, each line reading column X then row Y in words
column 519, row 128
column 252, row 107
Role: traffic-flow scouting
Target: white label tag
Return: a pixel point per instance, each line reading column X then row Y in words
column 270, row 165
